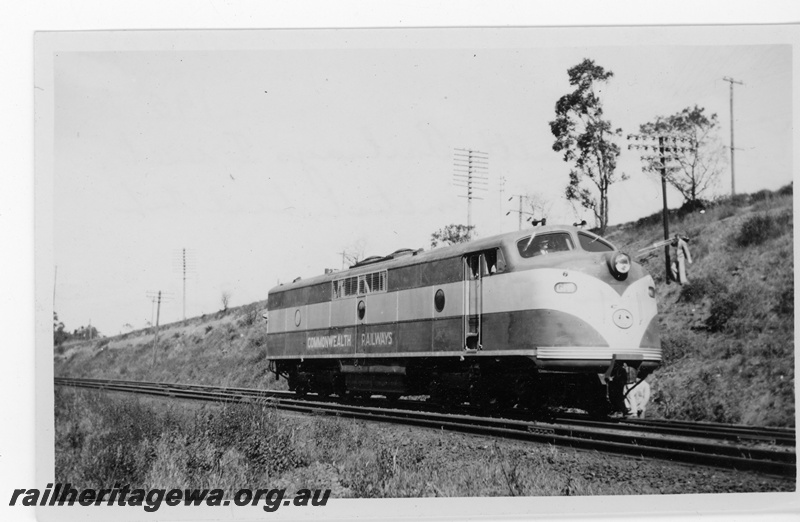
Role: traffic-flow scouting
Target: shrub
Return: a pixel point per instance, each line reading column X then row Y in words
column 722, row 309
column 786, row 190
column 250, row 317
column 785, row 305
column 761, row 195
column 690, row 207
column 762, row 227
column 258, row 340
column 676, row 346
column 696, row 289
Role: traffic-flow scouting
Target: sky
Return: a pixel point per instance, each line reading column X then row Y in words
column 265, row 163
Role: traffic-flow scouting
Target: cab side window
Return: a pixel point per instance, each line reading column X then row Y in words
column 486, row 263
column 495, row 261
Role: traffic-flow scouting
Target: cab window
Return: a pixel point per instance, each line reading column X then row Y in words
column 486, row 263
column 544, row 244
column 593, row 243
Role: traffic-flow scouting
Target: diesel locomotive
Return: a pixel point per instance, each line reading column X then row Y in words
column 552, row 316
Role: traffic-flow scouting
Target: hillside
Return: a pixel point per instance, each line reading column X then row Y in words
column 727, row 335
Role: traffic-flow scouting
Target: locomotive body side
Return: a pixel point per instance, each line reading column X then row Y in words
column 488, row 303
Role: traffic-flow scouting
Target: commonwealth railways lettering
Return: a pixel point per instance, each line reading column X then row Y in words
column 330, row 341
column 376, row 339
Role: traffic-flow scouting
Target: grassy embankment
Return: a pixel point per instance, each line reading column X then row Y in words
column 102, row 439
column 728, row 335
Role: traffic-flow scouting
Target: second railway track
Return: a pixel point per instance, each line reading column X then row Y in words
column 767, row 450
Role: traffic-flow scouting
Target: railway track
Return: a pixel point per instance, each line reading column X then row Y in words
column 766, row 450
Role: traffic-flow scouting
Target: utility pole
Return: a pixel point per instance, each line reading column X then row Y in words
column 664, row 153
column 155, row 339
column 520, row 212
column 470, row 171
column 157, row 297
column 733, row 172
column 184, row 284
column 152, row 309
column 183, row 262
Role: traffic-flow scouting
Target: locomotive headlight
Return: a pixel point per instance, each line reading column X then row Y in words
column 566, row 288
column 619, row 265
column 622, row 263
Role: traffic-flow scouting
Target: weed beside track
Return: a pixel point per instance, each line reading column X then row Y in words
column 106, row 438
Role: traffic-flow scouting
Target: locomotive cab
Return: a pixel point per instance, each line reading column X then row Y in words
column 597, row 313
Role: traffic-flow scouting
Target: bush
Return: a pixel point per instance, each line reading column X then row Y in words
column 762, row 227
column 250, row 317
column 761, row 195
column 722, row 309
column 785, row 304
column 676, row 346
column 690, row 207
column 696, row 289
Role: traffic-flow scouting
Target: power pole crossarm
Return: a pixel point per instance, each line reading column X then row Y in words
column 664, row 150
column 470, row 172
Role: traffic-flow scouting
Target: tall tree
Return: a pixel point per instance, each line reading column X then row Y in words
column 587, row 140
column 694, row 170
column 59, row 334
column 451, row 234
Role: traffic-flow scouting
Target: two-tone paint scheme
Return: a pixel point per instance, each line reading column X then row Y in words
column 487, row 318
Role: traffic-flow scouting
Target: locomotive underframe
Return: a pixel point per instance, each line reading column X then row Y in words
column 487, row 382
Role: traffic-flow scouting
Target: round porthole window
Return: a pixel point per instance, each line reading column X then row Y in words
column 297, row 318
column 362, row 309
column 438, row 300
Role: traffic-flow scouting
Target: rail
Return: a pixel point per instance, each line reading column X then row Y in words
column 766, row 450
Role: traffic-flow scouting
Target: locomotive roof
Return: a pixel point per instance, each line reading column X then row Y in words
column 445, row 252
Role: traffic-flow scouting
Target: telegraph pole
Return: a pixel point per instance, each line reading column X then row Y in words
column 733, row 175
column 184, row 284
column 183, row 262
column 659, row 161
column 157, row 298
column 470, row 171
column 155, row 339
column 519, row 212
